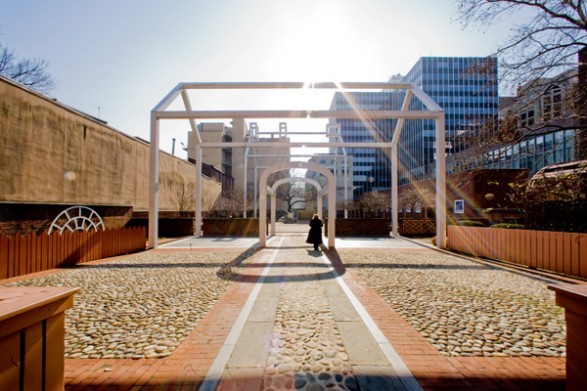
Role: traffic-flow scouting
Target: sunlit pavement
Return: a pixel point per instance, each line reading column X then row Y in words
column 294, row 318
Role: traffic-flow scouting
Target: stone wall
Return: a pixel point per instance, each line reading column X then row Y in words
column 54, row 154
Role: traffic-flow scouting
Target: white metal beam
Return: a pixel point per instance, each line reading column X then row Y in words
column 295, row 85
column 154, row 185
column 296, row 144
column 440, row 184
column 188, row 107
column 292, row 114
column 426, row 100
column 168, row 99
column 400, row 122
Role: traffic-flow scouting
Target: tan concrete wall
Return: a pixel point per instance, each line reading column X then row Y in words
column 53, row 154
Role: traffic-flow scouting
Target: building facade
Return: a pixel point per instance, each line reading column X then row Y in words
column 546, row 129
column 245, row 165
column 370, row 166
column 465, row 87
column 54, row 156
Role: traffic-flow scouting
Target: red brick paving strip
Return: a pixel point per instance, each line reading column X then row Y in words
column 185, row 369
column 437, row 372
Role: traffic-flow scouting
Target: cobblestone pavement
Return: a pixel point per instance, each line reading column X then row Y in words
column 158, row 319
column 141, row 306
column 465, row 308
column 306, row 348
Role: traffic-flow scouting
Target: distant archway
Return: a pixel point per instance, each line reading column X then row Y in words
column 331, row 186
column 319, row 193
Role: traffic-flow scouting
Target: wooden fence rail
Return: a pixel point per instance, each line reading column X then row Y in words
column 20, row 255
column 559, row 252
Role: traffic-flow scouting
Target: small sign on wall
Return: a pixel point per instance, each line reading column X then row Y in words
column 459, row 206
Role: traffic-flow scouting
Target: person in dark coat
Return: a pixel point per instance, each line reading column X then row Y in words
column 315, row 234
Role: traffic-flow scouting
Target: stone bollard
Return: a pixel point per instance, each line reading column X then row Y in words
column 573, row 298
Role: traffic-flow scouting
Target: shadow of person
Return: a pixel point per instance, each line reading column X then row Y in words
column 314, row 253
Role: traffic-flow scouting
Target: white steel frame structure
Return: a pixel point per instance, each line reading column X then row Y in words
column 433, row 111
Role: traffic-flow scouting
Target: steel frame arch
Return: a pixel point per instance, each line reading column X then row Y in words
column 434, row 112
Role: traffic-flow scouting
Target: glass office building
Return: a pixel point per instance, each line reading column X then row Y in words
column 465, row 87
column 371, row 166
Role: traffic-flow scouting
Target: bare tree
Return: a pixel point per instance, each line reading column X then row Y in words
column 373, row 202
column 292, row 194
column 28, row 72
column 184, row 198
column 229, row 205
column 495, row 132
column 541, row 49
column 547, row 42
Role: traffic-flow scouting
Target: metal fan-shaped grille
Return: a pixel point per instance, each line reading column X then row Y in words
column 77, row 218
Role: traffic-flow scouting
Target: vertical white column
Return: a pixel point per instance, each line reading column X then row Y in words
column 246, row 171
column 319, row 200
column 154, row 183
column 255, row 194
column 336, row 172
column 394, row 192
column 331, row 210
column 440, row 183
column 273, row 214
column 198, row 190
column 346, row 186
column 263, row 216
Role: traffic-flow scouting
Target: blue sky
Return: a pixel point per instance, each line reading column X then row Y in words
column 118, row 59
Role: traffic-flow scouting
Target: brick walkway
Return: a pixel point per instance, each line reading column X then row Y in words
column 187, row 367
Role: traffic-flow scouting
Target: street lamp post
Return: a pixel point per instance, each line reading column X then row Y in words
column 371, row 180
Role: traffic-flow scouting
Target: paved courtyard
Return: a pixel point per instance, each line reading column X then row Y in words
column 372, row 314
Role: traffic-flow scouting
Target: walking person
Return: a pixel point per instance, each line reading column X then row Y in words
column 315, row 234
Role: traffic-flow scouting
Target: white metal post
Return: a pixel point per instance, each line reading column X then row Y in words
column 154, row 184
column 346, row 186
column 273, row 214
column 263, row 216
column 331, row 211
column 255, row 194
column 394, row 162
column 245, row 183
column 198, row 190
column 440, row 183
column 394, row 192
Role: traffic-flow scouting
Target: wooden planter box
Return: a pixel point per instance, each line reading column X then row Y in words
column 573, row 298
column 360, row 227
column 230, row 227
column 32, row 337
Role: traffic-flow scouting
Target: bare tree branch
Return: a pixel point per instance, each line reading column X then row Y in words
column 552, row 33
column 28, row 72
